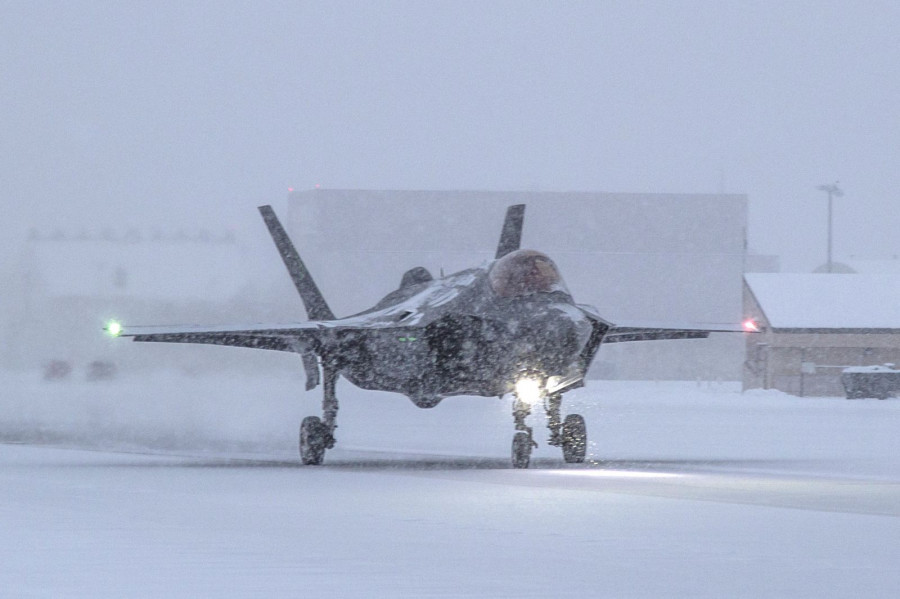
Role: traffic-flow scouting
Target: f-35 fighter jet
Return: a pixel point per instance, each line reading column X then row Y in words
column 507, row 327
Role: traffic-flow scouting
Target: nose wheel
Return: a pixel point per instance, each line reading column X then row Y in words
column 523, row 440
column 521, row 450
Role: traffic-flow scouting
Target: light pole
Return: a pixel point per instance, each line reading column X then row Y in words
column 833, row 191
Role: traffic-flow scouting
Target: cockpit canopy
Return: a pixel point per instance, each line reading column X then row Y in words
column 525, row 272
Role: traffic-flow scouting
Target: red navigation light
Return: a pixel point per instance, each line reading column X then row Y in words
column 290, row 189
column 751, row 326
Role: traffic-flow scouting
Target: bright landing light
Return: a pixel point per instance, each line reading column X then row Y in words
column 751, row 326
column 528, row 390
column 113, row 328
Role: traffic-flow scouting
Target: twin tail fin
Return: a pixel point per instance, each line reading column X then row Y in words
column 316, row 306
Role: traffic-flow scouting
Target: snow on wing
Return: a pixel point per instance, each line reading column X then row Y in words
column 634, row 331
column 298, row 338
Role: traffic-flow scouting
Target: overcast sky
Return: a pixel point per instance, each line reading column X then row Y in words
column 182, row 113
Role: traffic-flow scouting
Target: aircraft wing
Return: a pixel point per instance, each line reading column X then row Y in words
column 299, row 337
column 651, row 331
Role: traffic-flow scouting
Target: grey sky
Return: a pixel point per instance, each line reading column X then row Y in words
column 173, row 113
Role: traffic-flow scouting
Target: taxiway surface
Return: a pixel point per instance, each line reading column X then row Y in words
column 690, row 491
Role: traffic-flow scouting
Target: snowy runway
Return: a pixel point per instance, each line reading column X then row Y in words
column 692, row 491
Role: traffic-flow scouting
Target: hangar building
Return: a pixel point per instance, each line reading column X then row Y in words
column 653, row 257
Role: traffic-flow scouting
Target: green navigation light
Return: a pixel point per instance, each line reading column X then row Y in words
column 113, row 328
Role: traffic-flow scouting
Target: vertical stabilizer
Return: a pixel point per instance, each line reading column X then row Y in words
column 511, row 236
column 316, row 306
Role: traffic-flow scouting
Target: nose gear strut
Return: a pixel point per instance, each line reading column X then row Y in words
column 554, row 422
column 523, row 440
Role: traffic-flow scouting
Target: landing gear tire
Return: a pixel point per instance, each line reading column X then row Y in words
column 313, row 441
column 521, row 450
column 574, row 439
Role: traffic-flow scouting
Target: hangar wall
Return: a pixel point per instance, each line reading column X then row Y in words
column 657, row 257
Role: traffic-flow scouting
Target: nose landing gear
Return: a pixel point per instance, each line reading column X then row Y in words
column 569, row 434
column 523, row 441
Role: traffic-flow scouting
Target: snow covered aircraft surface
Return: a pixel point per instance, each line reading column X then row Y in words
column 509, row 326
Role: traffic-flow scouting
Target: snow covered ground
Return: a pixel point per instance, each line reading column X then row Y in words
column 189, row 486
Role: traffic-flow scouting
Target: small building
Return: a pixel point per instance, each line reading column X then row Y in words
column 815, row 325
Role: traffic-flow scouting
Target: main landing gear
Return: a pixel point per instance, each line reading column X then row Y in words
column 570, row 434
column 317, row 435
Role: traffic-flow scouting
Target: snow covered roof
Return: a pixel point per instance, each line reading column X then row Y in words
column 827, row 301
column 162, row 270
column 872, row 266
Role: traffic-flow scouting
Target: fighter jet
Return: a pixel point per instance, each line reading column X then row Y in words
column 507, row 328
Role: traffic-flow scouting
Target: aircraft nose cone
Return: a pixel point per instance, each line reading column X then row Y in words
column 553, row 338
column 563, row 337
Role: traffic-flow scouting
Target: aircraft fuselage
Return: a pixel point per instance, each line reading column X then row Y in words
column 469, row 341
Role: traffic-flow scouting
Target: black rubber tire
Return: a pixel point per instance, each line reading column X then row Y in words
column 574, row 441
column 313, row 438
column 521, row 450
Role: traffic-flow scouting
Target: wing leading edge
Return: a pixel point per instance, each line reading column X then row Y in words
column 305, row 339
column 655, row 331
column 634, row 331
column 298, row 338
